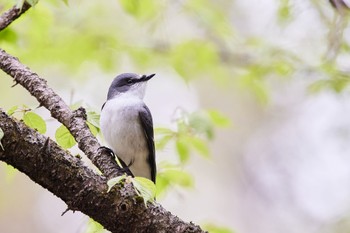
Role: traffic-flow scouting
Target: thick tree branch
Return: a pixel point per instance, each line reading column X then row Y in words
column 75, row 121
column 120, row 210
column 11, row 15
column 65, row 176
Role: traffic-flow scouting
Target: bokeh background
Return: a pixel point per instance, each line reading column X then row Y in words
column 277, row 69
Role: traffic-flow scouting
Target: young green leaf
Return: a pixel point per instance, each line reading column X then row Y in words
column 65, row 2
column 64, row 138
column 10, row 173
column 94, row 227
column 199, row 145
column 162, row 185
column 172, row 175
column 34, row 121
column 1, row 136
column 92, row 128
column 163, row 141
column 178, row 177
column 140, row 9
column 213, row 228
column 202, row 54
column 12, row 110
column 9, row 35
column 114, row 181
column 219, row 119
column 163, row 130
column 145, row 188
column 201, row 123
column 93, row 118
column 183, row 150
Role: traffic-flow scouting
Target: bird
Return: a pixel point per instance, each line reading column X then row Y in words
column 127, row 126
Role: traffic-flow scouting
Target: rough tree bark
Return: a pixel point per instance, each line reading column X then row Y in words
column 11, row 15
column 74, row 121
column 55, row 169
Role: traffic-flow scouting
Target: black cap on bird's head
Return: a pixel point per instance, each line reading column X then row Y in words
column 129, row 83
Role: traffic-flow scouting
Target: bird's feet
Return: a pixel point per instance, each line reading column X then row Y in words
column 123, row 167
column 108, row 150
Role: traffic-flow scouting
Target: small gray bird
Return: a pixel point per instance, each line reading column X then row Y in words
column 127, row 126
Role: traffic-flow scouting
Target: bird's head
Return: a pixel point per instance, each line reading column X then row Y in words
column 129, row 83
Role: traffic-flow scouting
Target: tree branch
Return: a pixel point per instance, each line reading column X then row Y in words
column 55, row 169
column 11, row 15
column 75, row 121
column 37, row 87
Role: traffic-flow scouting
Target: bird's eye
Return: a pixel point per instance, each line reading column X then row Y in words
column 129, row 81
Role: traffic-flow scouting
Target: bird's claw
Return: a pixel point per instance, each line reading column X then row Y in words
column 124, row 168
column 108, row 150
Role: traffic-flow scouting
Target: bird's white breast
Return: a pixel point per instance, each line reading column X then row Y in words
column 123, row 132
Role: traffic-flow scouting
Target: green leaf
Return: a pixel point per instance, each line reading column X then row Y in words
column 194, row 58
column 163, row 141
column 114, row 181
column 1, row 136
column 8, row 35
column 213, row 228
column 284, row 12
column 93, row 118
column 179, row 177
column 12, row 110
column 142, row 9
column 162, row 185
column 253, row 81
column 182, row 150
column 170, row 175
column 339, row 83
column 201, row 123
column 92, row 128
column 162, row 130
column 145, row 188
column 64, row 137
column 94, row 227
column 35, row 121
column 199, row 145
column 166, row 135
column 318, row 86
column 10, row 173
column 219, row 119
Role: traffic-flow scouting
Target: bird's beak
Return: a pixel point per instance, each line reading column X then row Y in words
column 147, row 77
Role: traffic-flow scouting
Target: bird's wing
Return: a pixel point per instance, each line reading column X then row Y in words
column 147, row 125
